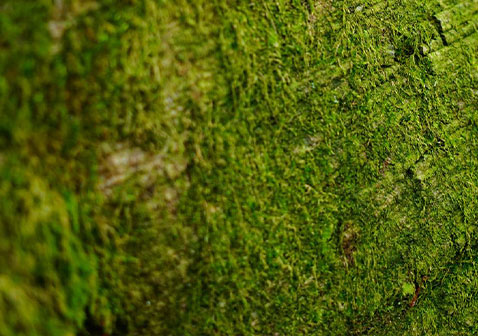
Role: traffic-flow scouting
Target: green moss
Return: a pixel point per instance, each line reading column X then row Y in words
column 228, row 167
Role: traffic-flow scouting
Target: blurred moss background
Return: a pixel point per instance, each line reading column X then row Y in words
column 96, row 101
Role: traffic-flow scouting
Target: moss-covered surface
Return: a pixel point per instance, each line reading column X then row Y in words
column 238, row 168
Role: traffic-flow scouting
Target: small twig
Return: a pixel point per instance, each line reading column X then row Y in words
column 417, row 292
column 415, row 297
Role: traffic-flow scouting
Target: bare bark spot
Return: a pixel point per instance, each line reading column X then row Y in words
column 125, row 162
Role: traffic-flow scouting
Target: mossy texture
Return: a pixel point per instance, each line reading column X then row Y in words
column 231, row 167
